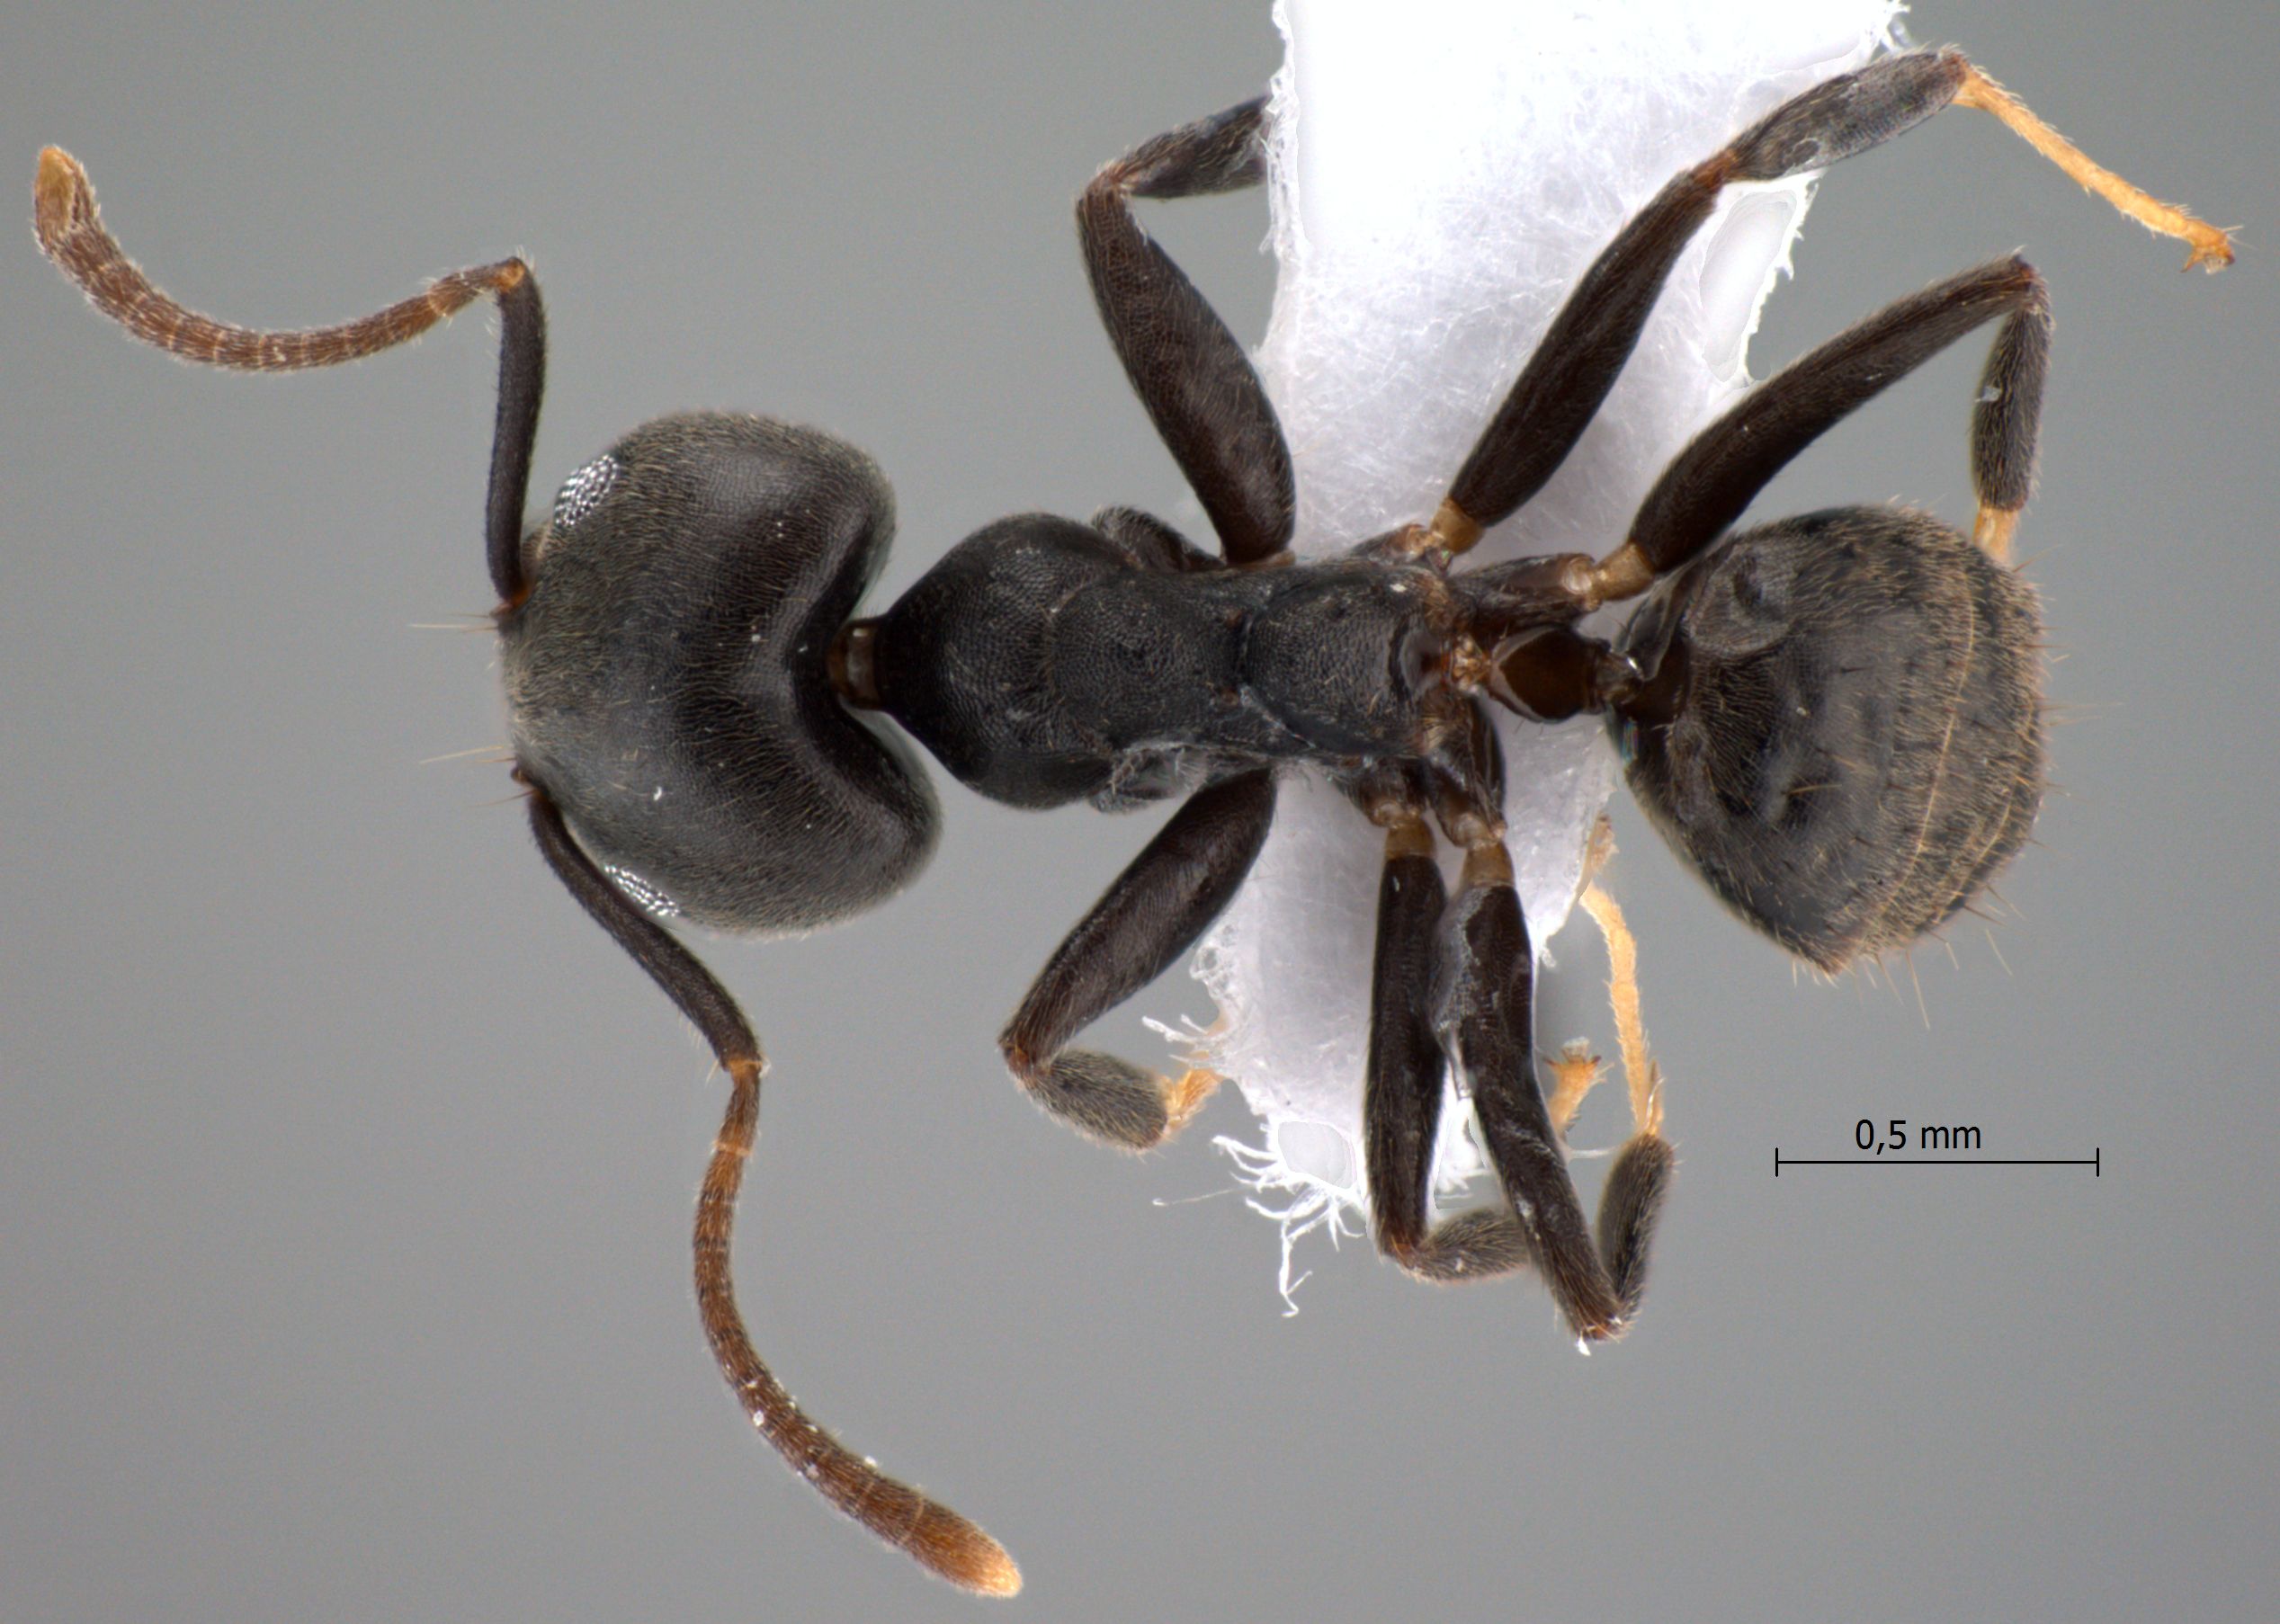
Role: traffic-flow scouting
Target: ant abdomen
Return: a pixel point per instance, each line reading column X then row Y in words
column 668, row 681
column 1841, row 725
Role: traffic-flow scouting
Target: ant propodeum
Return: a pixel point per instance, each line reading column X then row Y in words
column 1836, row 719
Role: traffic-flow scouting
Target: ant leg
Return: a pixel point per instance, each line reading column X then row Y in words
column 1199, row 388
column 71, row 233
column 1630, row 1207
column 933, row 1534
column 2211, row 248
column 1150, row 915
column 1709, row 484
column 1568, row 377
column 2005, row 421
column 1486, row 1020
column 1632, row 1201
column 1401, row 1095
column 1402, row 1098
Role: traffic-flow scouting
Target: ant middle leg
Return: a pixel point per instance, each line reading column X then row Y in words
column 1198, row 386
column 1150, row 915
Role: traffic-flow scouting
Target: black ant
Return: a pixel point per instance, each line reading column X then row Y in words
column 1836, row 717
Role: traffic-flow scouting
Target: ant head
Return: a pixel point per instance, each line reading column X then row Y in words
column 1839, row 724
column 667, row 683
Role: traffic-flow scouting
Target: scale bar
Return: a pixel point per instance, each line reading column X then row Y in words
column 2093, row 1162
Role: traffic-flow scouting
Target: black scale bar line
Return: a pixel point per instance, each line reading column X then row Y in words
column 2094, row 1162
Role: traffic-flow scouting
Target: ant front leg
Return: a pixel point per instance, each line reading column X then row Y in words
column 1149, row 916
column 1199, row 388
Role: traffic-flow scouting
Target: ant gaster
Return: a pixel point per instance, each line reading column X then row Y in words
column 1836, row 717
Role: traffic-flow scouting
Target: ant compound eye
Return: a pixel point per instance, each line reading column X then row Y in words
column 583, row 492
column 1840, row 724
column 667, row 682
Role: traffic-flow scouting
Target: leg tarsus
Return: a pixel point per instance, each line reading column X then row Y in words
column 2211, row 247
column 1631, row 1201
column 1575, row 1071
column 1150, row 915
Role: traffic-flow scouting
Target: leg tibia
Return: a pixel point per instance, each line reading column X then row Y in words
column 1190, row 373
column 1629, row 1209
column 1708, row 485
column 1150, row 915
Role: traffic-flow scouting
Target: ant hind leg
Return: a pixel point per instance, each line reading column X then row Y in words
column 1707, row 485
column 1568, row 377
column 1405, row 1071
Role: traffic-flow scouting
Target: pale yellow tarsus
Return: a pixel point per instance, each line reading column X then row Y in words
column 1184, row 1096
column 2211, row 248
column 1642, row 1077
column 1575, row 1072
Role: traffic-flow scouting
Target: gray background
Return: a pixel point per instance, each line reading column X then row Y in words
column 345, row 1171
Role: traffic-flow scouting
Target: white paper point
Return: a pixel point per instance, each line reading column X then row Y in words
column 1441, row 173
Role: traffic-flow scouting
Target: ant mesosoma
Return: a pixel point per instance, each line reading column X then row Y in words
column 1836, row 717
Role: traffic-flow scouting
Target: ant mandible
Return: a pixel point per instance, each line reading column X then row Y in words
column 1836, row 718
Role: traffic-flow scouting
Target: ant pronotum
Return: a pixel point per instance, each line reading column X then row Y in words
column 1836, row 718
